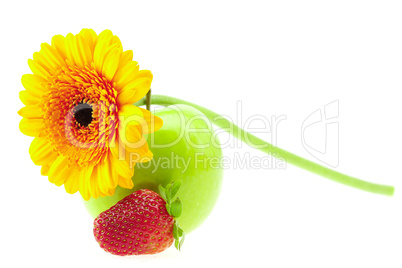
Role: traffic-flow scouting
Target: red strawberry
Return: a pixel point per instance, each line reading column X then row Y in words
column 138, row 224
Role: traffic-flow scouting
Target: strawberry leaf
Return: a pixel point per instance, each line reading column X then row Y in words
column 178, row 235
column 167, row 193
column 162, row 192
column 174, row 189
column 180, row 231
column 175, row 232
column 169, row 209
column 176, row 208
column 181, row 242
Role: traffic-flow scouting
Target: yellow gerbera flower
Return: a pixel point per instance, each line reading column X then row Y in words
column 78, row 106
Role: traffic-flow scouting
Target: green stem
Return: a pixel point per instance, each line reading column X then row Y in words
column 148, row 100
column 268, row 148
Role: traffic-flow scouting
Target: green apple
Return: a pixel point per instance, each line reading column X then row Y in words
column 185, row 149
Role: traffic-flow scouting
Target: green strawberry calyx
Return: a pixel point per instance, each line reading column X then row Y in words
column 174, row 207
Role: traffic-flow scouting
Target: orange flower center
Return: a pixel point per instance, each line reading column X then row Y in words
column 80, row 114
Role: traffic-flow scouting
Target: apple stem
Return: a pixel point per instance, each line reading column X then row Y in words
column 277, row 152
column 148, row 100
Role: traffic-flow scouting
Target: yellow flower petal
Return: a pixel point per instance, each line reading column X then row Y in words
column 35, row 85
column 106, row 34
column 51, row 58
column 42, row 61
column 59, row 43
column 38, row 69
column 81, row 51
column 31, row 127
column 135, row 145
column 126, row 74
column 129, row 109
column 94, row 189
column 130, row 115
column 27, row 98
column 134, row 91
column 125, row 182
column 153, row 123
column 101, row 49
column 77, row 51
column 125, row 58
column 110, row 64
column 122, row 167
column 111, row 192
column 44, row 171
column 116, row 41
column 116, row 149
column 84, row 185
column 143, row 119
column 87, row 189
column 30, row 111
column 108, row 174
column 130, row 136
column 41, row 152
column 71, row 184
column 141, row 155
column 90, row 37
column 98, row 179
column 144, row 73
column 95, row 181
column 69, row 43
column 60, row 171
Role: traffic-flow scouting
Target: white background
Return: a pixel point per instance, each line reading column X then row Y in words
column 279, row 58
